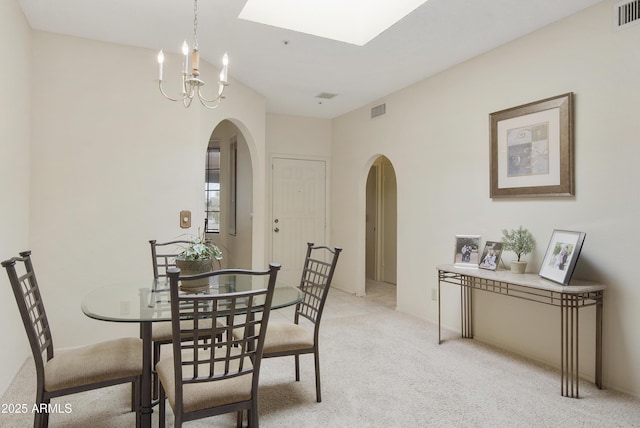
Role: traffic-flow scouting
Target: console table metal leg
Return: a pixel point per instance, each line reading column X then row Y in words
column 599, row 342
column 439, row 328
column 569, row 332
column 466, row 300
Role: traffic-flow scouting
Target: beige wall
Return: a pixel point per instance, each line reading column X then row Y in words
column 111, row 163
column 296, row 135
column 437, row 137
column 15, row 102
column 110, row 167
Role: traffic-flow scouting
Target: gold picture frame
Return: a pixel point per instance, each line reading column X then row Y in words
column 532, row 149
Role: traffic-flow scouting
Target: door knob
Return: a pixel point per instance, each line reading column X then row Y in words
column 276, row 230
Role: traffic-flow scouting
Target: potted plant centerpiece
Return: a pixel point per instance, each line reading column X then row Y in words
column 521, row 242
column 198, row 257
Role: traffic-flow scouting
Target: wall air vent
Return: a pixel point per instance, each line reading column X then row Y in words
column 626, row 14
column 378, row 110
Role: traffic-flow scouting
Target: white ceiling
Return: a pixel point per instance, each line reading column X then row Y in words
column 436, row 36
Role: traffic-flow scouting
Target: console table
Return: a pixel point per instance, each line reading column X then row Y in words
column 569, row 298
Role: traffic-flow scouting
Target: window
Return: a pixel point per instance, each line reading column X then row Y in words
column 212, row 191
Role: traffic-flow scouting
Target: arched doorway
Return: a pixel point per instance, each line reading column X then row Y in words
column 381, row 232
column 230, row 208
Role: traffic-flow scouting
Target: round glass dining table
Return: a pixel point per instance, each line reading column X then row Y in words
column 148, row 303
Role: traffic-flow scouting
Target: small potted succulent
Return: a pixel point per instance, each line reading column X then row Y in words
column 198, row 257
column 521, row 242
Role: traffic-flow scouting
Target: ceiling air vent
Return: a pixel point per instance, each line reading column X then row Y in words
column 626, row 14
column 326, row 95
column 378, row 110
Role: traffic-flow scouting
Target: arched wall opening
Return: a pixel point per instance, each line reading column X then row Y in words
column 236, row 177
column 381, row 232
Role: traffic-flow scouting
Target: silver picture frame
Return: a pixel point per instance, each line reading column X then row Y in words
column 562, row 255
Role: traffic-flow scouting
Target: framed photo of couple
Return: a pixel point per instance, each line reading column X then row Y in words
column 562, row 255
column 467, row 250
column 490, row 255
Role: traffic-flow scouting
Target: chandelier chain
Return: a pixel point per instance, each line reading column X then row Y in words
column 195, row 24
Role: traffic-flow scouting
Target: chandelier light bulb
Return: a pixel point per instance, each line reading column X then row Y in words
column 160, row 62
column 225, row 67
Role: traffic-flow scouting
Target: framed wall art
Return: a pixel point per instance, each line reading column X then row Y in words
column 467, row 250
column 490, row 255
column 532, row 149
column 562, row 255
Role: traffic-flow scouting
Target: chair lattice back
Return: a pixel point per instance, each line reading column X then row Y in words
column 195, row 360
column 317, row 274
column 34, row 317
column 163, row 255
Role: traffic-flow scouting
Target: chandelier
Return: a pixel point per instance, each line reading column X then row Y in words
column 191, row 82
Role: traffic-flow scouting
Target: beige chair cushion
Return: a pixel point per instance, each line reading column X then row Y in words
column 162, row 330
column 101, row 362
column 205, row 395
column 286, row 337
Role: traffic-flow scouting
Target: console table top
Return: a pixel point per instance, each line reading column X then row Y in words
column 526, row 280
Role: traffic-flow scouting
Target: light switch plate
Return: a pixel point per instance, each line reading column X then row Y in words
column 185, row 219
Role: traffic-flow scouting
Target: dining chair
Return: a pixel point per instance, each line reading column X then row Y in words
column 163, row 257
column 91, row 367
column 200, row 380
column 286, row 339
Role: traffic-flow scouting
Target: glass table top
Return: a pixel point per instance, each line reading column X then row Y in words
column 137, row 302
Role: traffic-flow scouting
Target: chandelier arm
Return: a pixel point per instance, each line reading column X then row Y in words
column 217, row 99
column 212, row 106
column 167, row 96
column 206, row 103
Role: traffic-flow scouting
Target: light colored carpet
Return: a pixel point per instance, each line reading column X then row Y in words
column 380, row 368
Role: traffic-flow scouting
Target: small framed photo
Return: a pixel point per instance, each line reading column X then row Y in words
column 467, row 250
column 562, row 255
column 490, row 255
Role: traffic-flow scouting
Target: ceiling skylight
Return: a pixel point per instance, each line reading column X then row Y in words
column 351, row 21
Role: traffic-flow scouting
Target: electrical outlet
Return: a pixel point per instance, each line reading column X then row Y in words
column 434, row 294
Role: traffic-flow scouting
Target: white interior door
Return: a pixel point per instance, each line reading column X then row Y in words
column 298, row 212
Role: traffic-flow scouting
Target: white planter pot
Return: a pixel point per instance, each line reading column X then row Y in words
column 518, row 267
